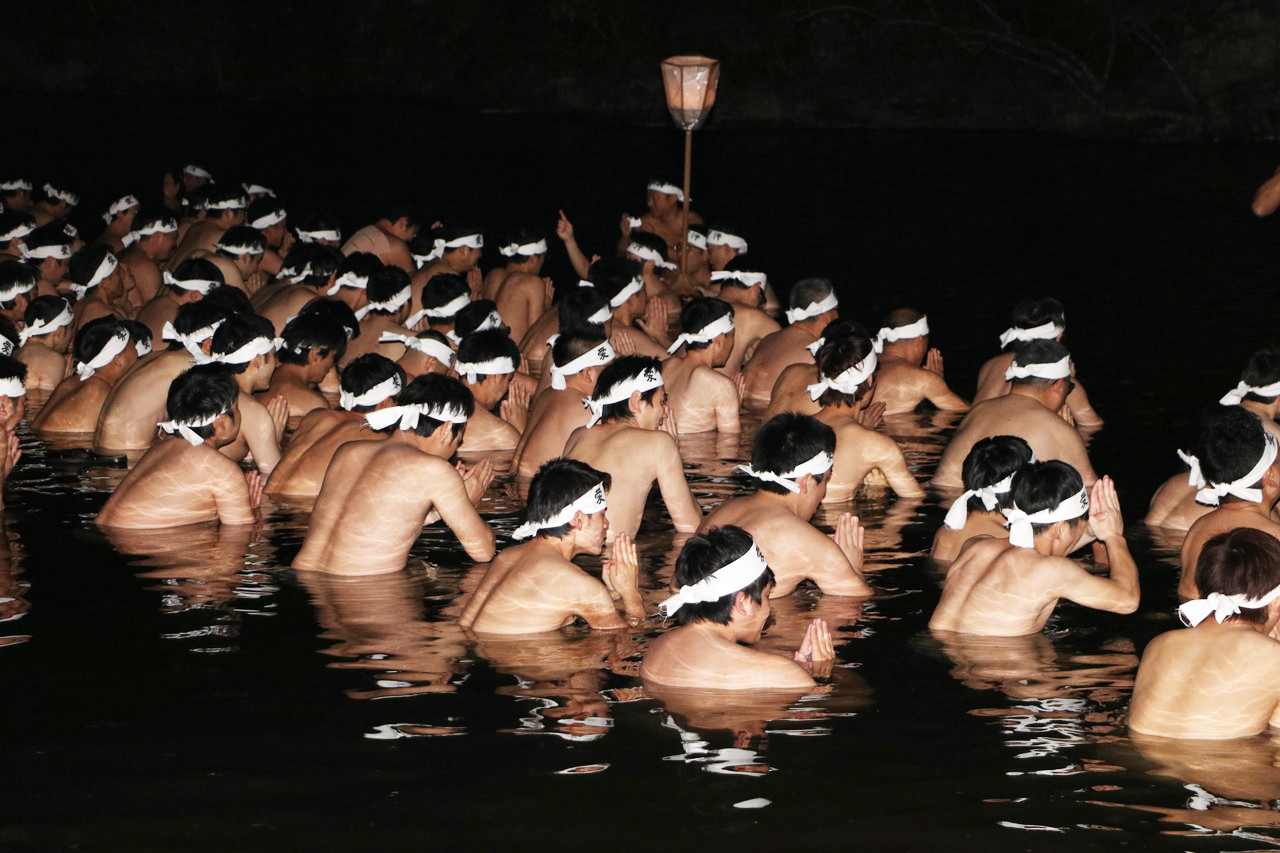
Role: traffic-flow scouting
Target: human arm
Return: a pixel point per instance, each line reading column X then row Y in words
column 887, row 456
column 1118, row 593
column 455, row 496
column 728, row 403
column 620, row 572
column 1069, row 447
column 235, row 495
column 579, row 261
column 258, row 426
column 936, row 390
column 833, row 562
column 1081, row 409
column 685, row 514
column 1267, row 198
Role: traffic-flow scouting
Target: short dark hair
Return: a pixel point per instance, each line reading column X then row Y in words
column 1232, row 441
column 612, row 275
column 1038, row 352
column 398, row 210
column 699, row 314
column 14, row 273
column 809, row 291
column 314, row 221
column 336, row 310
column 49, row 234
column 42, row 309
column 574, row 309
column 788, row 440
column 366, row 371
column 440, row 290
column 568, row 347
column 458, row 230
column 384, row 284
column 1043, row 485
column 11, row 368
column 203, row 391
column 233, row 300
column 472, row 315
column 323, row 261
column 85, row 263
column 845, row 343
column 363, row 264
column 236, row 331
column 522, row 236
column 94, row 335
column 12, row 219
column 1263, row 368
column 435, row 389
column 558, row 483
column 1030, row 313
column 649, row 240
column 9, row 332
column 242, row 236
column 196, row 268
column 619, row 370
column 138, row 332
column 307, row 332
column 1244, row 561
column 991, row 460
column 701, row 557
column 488, row 345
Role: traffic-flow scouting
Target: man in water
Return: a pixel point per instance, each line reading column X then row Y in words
column 43, row 343
column 97, row 280
column 317, row 268
column 1219, row 677
column 1009, row 587
column 190, row 282
column 721, row 605
column 1236, row 469
column 388, row 237
column 518, row 289
column 148, row 245
column 665, row 215
column 700, row 396
column 791, row 457
column 223, row 210
column 183, row 479
column 104, row 351
column 901, row 382
column 309, row 348
column 458, row 249
column 624, row 437
column 1040, row 382
column 621, row 283
column 486, row 362
column 576, row 362
column 378, row 494
column 988, row 481
column 245, row 346
column 813, row 306
column 744, row 287
column 536, row 587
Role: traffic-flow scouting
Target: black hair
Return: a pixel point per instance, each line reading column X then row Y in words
column 310, row 331
column 384, row 284
column 398, row 210
column 788, row 440
column 435, row 389
column 366, row 371
column 612, row 275
column 43, row 195
column 94, row 335
column 85, row 263
column 843, row 346
column 902, row 317
column 1244, row 561
column 145, row 219
column 574, row 309
column 236, row 331
column 233, row 300
column 203, row 391
column 13, row 273
column 471, row 315
column 337, row 311
column 1030, row 313
column 672, row 180
column 196, row 268
column 363, row 264
column 11, row 368
column 557, row 484
column 488, row 345
column 49, row 234
column 440, row 290
column 1232, row 441
column 221, row 193
column 730, row 228
column 12, row 219
column 1263, row 368
column 701, row 557
column 1044, row 485
column 138, row 332
column 243, row 236
column 619, row 370
column 193, row 316
column 261, row 207
column 522, row 236
column 699, row 314
column 42, row 309
column 13, row 192
column 9, row 332
column 649, row 240
column 458, row 231
column 1038, row 352
column 322, row 260
column 568, row 347
column 313, row 221
column 990, row 461
column 809, row 291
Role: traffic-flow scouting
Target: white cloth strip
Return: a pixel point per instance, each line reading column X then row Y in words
column 1020, row 533
column 426, row 346
column 348, row 279
column 1222, row 606
column 696, row 240
column 112, row 348
column 1212, row 493
column 195, row 171
column 61, row 251
column 643, row 381
column 644, row 253
column 164, row 226
column 817, row 345
column 390, row 306
column 241, row 355
column 722, row 238
column 236, row 203
column 491, row 322
column 241, row 249
column 742, row 277
column 258, row 189
column 1060, row 369
column 721, row 325
column 17, row 232
column 594, row 357
column 1236, row 395
column 822, row 306
column 11, row 386
column 633, row 287
column 447, row 310
column 601, row 316
column 6, row 345
column 437, row 252
column 849, row 381
column 511, row 249
column 105, row 268
column 331, row 234
column 1043, row 332
column 410, row 415
column 1195, row 477
column 44, row 327
column 266, row 220
column 669, row 189
column 384, row 390
column 62, row 195
column 887, row 335
column 493, row 367
column 186, row 428
column 16, row 288
column 726, row 580
column 990, row 496
column 590, row 502
column 143, row 348
column 119, row 206
column 201, row 285
column 819, row 464
column 15, row 184
column 191, row 342
column 471, row 241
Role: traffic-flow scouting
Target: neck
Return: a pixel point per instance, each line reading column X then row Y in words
column 787, row 501
column 295, row 373
column 699, row 357
column 1267, row 411
column 899, row 352
column 728, row 633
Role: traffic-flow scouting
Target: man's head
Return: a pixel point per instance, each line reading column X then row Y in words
column 463, row 245
column 120, row 213
column 568, row 497
column 245, row 345
column 629, row 389
column 14, row 227
column 741, row 281
column 663, row 196
column 57, row 199
column 270, row 219
column 620, row 282
column 481, row 315
column 335, row 311
column 707, row 324
column 1049, row 498
column 1260, row 381
column 905, row 335
column 354, row 274
column 48, row 251
column 13, row 392
column 244, row 246
column 583, row 310
column 194, row 177
column 432, row 406
column 792, row 454
column 579, row 355
column 1042, row 368
column 400, row 220
column 225, row 204
column 813, row 300
column 1233, row 454
column 369, row 382
column 443, row 296
column 319, row 229
column 846, row 363
column 650, row 251
column 17, row 281
column 312, row 342
column 155, row 234
column 194, row 279
column 425, row 352
column 525, row 248
column 486, row 362
column 48, row 319
column 201, row 406
column 1034, row 320
column 103, row 347
column 723, row 560
column 1243, row 562
column 724, row 243
column 389, row 291
column 15, row 193
column 95, row 267
column 988, row 476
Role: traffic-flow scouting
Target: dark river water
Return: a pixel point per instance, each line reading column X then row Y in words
column 171, row 693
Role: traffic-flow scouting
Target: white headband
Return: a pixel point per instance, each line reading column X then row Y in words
column 887, row 335
column 726, row 580
column 11, row 386
column 1237, row 394
column 847, row 382
column 243, row 355
column 15, row 184
column 819, row 464
column 409, row 415
column 240, row 249
column 112, row 348
column 61, row 251
column 442, row 312
column 196, row 171
column 669, row 189
column 1221, row 606
column 118, row 206
column 594, row 357
column 384, row 390
column 22, row 229
column 186, row 428
column 796, row 315
column 1211, row 493
column 633, row 287
column 6, row 346
column 44, row 327
column 390, row 306
column 331, row 234
column 588, row 503
column 201, row 285
column 236, row 203
column 603, row 315
column 1044, row 331
column 105, row 268
column 143, row 347
column 644, row 253
column 696, row 240
column 493, row 367
column 266, row 220
column 18, row 287
column 990, row 496
column 511, row 249
column 162, row 226
column 62, row 195
column 721, row 238
column 437, row 250
column 426, row 346
column 1020, row 533
column 1059, row 369
column 190, row 341
column 472, row 241
column 258, row 189
column 491, row 322
column 746, row 279
column 348, row 279
column 643, row 381
column 721, row 325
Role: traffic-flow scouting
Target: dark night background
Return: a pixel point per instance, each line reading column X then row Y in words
column 1152, row 69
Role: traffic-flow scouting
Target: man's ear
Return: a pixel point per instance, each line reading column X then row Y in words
column 578, row 521
column 634, row 402
column 741, row 604
column 805, row 483
column 7, row 407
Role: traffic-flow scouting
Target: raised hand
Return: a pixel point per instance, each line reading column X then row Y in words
column 564, row 228
column 548, row 292
column 873, row 415
column 475, row 281
column 1104, row 510
column 515, row 409
column 254, row 282
column 656, row 319
column 625, row 225
column 477, row 478
column 623, row 343
column 254, row 481
column 9, row 452
column 817, row 651
column 933, row 361
column 622, row 568
column 668, row 424
column 740, row 385
column 848, row 536
column 278, row 409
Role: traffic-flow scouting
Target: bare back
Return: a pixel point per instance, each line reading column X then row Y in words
column 773, row 355
column 531, row 589
column 702, row 399
column 859, row 451
column 555, row 415
column 1229, row 516
column 176, row 484
column 137, row 403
